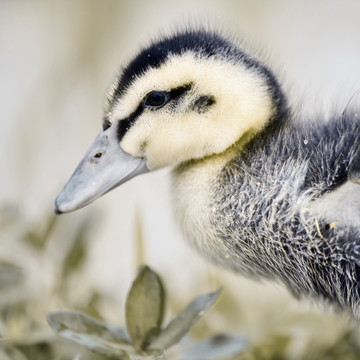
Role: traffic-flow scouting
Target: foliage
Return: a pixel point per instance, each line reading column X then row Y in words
column 144, row 338
column 37, row 268
column 42, row 261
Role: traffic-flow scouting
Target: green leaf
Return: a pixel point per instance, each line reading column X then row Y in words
column 182, row 323
column 139, row 240
column 218, row 347
column 92, row 334
column 10, row 352
column 37, row 238
column 76, row 254
column 97, row 345
column 149, row 355
column 144, row 308
column 10, row 275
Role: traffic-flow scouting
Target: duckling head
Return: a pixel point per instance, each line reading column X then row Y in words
column 188, row 96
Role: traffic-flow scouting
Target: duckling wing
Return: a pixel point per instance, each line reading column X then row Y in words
column 334, row 170
column 340, row 206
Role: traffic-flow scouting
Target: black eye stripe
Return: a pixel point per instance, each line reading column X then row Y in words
column 125, row 124
column 181, row 90
column 123, row 127
column 203, row 103
column 106, row 124
column 166, row 96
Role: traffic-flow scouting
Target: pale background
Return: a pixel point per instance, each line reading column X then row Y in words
column 56, row 60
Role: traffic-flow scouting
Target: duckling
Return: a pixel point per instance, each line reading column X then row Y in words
column 255, row 191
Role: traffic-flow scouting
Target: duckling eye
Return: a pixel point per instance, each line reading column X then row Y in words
column 156, row 99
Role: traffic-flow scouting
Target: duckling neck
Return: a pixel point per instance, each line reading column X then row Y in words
column 193, row 184
column 209, row 192
column 222, row 204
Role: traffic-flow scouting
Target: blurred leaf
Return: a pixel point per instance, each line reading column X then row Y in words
column 77, row 252
column 139, row 241
column 144, row 308
column 346, row 347
column 38, row 239
column 182, row 323
column 92, row 305
column 9, row 215
column 218, row 347
column 92, row 334
column 275, row 346
column 82, row 323
column 8, row 352
column 37, row 350
column 149, row 355
column 10, row 274
column 97, row 345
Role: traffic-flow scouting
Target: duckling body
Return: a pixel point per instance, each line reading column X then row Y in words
column 254, row 191
column 278, row 210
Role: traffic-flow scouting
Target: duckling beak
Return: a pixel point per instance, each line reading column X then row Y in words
column 104, row 167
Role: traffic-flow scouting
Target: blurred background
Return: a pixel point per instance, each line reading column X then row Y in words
column 56, row 60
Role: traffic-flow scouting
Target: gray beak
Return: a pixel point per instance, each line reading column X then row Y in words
column 104, row 167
